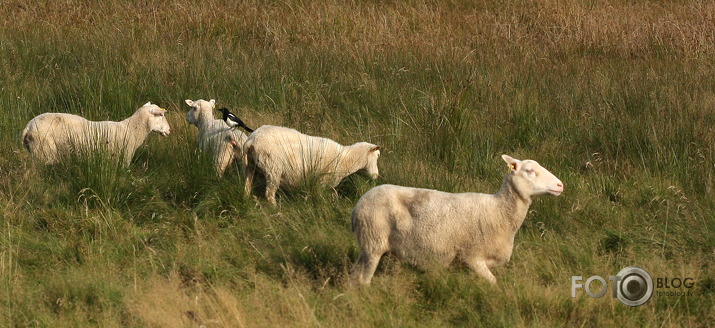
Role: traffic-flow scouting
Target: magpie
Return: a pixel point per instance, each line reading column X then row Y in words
column 233, row 121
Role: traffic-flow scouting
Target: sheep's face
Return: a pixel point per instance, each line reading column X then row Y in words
column 532, row 178
column 199, row 108
column 371, row 169
column 157, row 121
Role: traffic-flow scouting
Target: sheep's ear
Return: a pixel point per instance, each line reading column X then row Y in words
column 513, row 163
column 213, row 101
column 147, row 104
column 375, row 149
column 189, row 102
column 158, row 111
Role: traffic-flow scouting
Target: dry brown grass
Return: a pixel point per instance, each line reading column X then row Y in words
column 173, row 302
column 367, row 30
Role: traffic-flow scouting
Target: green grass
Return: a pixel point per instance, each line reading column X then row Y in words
column 615, row 98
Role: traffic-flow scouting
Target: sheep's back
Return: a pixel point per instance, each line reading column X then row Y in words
column 296, row 154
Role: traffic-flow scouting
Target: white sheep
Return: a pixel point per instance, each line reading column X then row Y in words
column 432, row 228
column 49, row 136
column 288, row 157
column 215, row 136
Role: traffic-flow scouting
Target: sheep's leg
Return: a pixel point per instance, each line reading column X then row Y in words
column 128, row 154
column 356, row 272
column 364, row 268
column 273, row 181
column 481, row 268
column 249, row 172
column 223, row 159
column 366, row 264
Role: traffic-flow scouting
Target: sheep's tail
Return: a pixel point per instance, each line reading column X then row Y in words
column 248, row 151
column 248, row 145
column 357, row 217
column 27, row 138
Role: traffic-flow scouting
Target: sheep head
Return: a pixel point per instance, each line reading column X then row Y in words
column 157, row 120
column 373, row 153
column 531, row 179
column 200, row 109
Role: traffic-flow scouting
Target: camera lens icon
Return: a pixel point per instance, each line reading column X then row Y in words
column 635, row 286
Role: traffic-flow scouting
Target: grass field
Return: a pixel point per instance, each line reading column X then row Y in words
column 616, row 98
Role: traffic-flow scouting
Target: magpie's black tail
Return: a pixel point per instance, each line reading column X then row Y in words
column 249, row 130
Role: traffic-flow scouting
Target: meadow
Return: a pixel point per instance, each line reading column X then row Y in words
column 616, row 98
